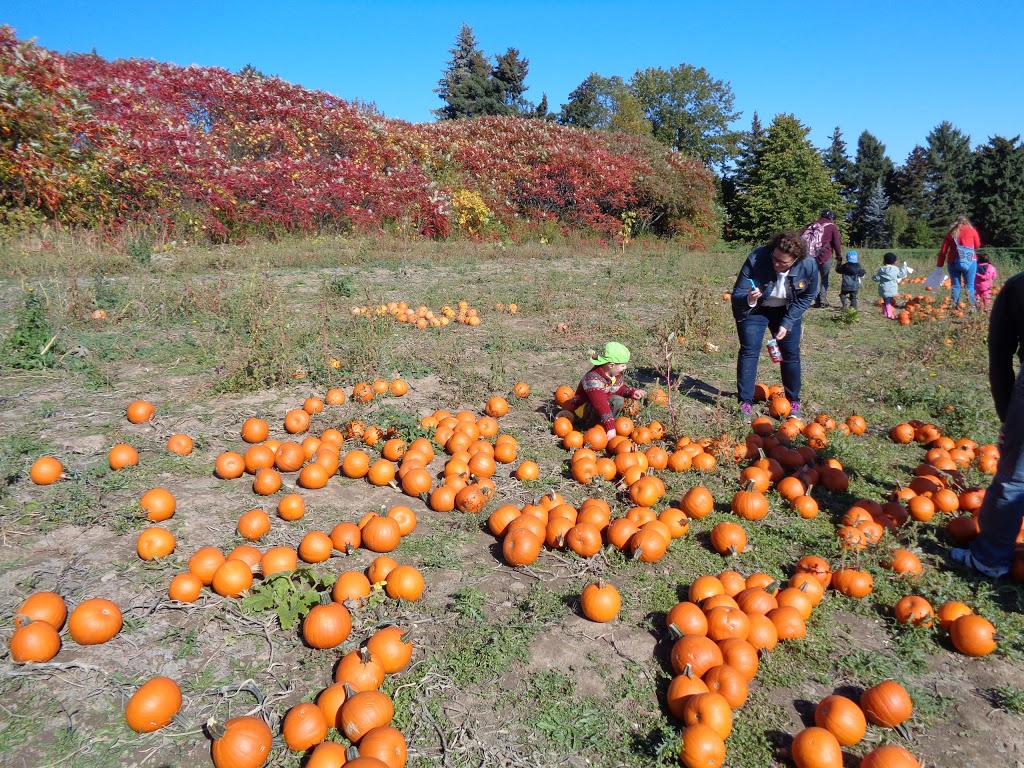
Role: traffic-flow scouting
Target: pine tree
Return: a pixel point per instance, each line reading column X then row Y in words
column 737, row 181
column 542, row 111
column 788, row 185
column 839, row 165
column 250, row 71
column 870, row 166
column 876, row 234
column 999, row 191
column 584, row 108
column 507, row 81
column 465, row 87
column 910, row 184
column 950, row 176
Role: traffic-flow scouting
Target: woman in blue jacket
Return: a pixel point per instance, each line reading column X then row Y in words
column 775, row 287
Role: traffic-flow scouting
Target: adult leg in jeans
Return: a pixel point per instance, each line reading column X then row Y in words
column 955, row 274
column 823, row 270
column 1002, row 511
column 750, row 330
column 790, row 365
column 969, row 275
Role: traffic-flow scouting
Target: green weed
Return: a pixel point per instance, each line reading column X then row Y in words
column 33, row 342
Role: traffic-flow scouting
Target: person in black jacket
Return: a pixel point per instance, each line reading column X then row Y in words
column 852, row 273
column 776, row 285
column 1002, row 512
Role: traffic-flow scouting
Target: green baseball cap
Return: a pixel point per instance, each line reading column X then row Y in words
column 614, row 352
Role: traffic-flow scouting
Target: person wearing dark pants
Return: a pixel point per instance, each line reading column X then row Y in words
column 823, row 244
column 853, row 275
column 776, row 285
column 1002, row 511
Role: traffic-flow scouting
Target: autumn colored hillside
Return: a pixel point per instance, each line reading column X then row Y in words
column 87, row 142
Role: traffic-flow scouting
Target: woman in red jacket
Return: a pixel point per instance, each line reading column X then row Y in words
column 959, row 245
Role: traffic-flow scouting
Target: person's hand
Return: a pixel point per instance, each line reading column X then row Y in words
column 640, row 393
column 753, row 296
column 781, row 333
column 611, row 433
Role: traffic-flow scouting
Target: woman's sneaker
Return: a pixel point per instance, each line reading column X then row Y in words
column 746, row 409
column 794, row 408
column 964, row 559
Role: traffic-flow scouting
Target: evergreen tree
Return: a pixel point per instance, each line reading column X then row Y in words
column 250, row 71
column 688, row 110
column 839, row 165
column 737, row 181
column 871, row 166
column 950, row 175
column 999, row 192
column 465, row 87
column 910, row 184
column 788, row 185
column 584, row 108
column 875, row 232
column 542, row 112
column 507, row 82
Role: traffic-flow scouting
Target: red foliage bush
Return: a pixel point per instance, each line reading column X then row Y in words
column 203, row 150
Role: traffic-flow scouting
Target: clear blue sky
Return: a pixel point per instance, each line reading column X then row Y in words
column 895, row 67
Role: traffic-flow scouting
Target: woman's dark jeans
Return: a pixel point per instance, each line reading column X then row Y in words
column 1002, row 511
column 750, row 330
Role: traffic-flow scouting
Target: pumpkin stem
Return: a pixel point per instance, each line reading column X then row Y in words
column 687, row 670
column 749, row 485
column 364, row 654
column 352, row 754
column 674, row 632
column 349, row 691
column 214, row 729
column 325, row 598
column 424, row 497
column 810, row 487
column 407, row 635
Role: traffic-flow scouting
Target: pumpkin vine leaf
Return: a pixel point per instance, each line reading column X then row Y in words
column 290, row 595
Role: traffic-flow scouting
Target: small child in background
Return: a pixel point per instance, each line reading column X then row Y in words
column 853, row 274
column 888, row 278
column 983, row 279
column 602, row 391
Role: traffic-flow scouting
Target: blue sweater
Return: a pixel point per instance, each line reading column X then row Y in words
column 801, row 285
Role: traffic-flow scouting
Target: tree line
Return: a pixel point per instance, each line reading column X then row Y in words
column 772, row 176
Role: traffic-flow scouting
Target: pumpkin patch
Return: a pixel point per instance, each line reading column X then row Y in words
column 369, row 545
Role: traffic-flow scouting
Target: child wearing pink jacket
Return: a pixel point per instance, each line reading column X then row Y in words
column 983, row 280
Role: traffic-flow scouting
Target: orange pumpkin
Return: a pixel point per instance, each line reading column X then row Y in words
column 94, row 621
